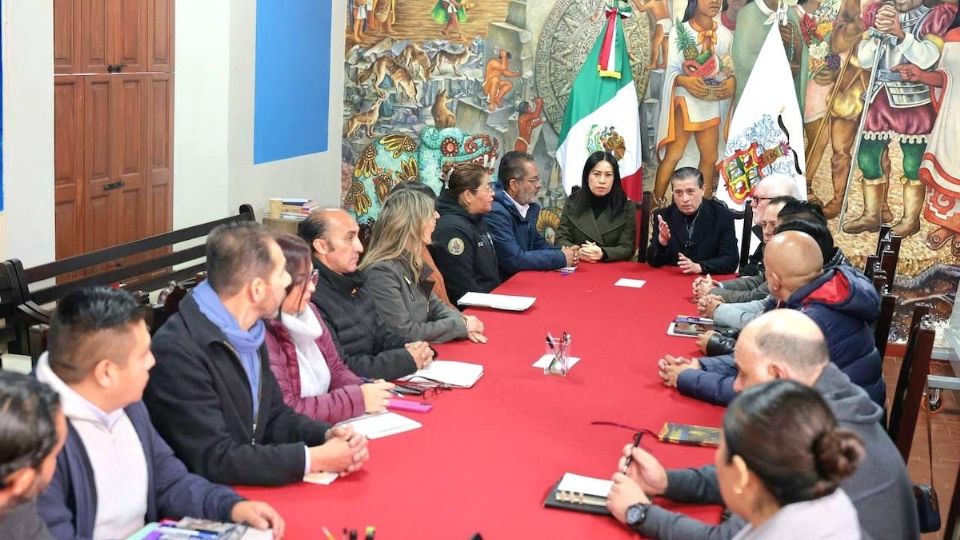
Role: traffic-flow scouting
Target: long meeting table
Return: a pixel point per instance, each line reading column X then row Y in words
column 486, row 457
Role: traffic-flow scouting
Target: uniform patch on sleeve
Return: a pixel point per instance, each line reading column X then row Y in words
column 455, row 246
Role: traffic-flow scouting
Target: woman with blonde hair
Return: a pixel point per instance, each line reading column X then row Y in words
column 398, row 280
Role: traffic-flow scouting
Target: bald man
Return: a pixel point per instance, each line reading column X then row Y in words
column 365, row 343
column 842, row 301
column 781, row 344
column 774, row 186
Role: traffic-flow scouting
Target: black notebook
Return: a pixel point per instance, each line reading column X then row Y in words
column 577, row 502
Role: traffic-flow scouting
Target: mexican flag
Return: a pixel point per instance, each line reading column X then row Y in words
column 603, row 112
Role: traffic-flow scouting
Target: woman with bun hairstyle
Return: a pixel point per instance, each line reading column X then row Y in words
column 598, row 217
column 780, row 461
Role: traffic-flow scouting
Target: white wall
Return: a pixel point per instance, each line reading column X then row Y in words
column 200, row 107
column 316, row 176
column 26, row 225
column 213, row 122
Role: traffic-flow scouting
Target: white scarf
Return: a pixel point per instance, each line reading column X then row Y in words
column 304, row 330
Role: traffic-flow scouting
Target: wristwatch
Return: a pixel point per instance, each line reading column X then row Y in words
column 636, row 514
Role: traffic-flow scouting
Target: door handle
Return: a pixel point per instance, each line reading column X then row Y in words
column 115, row 68
column 114, row 185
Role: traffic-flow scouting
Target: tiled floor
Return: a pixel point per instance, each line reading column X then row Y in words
column 946, row 440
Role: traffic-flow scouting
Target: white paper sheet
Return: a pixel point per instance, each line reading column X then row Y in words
column 585, row 485
column 544, row 361
column 459, row 374
column 497, row 301
column 375, row 426
column 322, row 478
column 632, row 283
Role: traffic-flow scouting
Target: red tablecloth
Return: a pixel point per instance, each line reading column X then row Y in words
column 486, row 457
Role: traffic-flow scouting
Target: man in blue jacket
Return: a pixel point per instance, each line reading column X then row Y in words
column 513, row 220
column 115, row 473
column 841, row 301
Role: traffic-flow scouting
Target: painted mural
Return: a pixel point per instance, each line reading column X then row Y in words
column 432, row 83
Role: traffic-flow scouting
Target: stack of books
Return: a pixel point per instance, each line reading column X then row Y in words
column 291, row 207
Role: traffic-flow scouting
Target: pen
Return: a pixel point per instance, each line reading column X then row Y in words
column 629, row 460
column 368, row 380
column 327, row 535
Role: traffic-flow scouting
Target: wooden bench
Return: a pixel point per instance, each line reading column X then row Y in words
column 142, row 266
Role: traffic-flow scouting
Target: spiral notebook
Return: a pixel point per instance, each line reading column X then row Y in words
column 580, row 494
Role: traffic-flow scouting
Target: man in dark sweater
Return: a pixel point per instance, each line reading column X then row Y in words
column 115, row 473
column 32, row 432
column 213, row 396
column 782, row 344
column 367, row 346
column 694, row 234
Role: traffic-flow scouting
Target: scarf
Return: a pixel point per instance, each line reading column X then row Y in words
column 245, row 342
column 304, row 329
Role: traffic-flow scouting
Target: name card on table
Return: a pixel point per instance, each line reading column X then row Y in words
column 497, row 301
column 632, row 283
column 449, row 372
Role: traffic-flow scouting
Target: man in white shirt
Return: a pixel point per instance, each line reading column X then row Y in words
column 116, row 473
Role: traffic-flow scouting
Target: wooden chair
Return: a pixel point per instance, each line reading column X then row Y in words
column 746, row 232
column 870, row 267
column 911, row 382
column 883, row 239
column 888, row 305
column 643, row 225
column 11, row 298
column 888, row 262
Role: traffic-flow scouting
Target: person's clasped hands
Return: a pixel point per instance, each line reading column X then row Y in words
column 591, row 252
column 421, row 352
column 702, row 286
column 669, row 368
column 707, row 305
column 572, row 254
column 345, row 452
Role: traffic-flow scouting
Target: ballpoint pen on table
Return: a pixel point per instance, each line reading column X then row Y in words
column 552, row 343
column 564, row 341
column 629, row 460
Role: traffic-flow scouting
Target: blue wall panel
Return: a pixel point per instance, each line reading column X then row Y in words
column 291, row 96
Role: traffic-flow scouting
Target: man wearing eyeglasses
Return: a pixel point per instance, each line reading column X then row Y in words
column 694, row 234
column 770, row 187
column 513, row 220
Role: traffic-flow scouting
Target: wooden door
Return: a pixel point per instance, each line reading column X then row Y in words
column 96, row 30
column 113, row 122
column 69, row 175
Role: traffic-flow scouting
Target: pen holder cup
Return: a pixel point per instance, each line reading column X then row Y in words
column 559, row 350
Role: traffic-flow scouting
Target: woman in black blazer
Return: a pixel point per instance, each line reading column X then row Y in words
column 598, row 217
